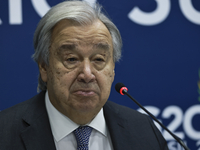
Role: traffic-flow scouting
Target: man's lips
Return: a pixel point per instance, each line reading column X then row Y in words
column 85, row 92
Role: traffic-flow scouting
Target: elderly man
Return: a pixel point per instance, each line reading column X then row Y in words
column 76, row 48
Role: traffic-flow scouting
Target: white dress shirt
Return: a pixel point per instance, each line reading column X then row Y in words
column 62, row 128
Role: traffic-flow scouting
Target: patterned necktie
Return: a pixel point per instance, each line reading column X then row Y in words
column 82, row 135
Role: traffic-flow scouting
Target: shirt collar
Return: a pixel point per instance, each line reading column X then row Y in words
column 62, row 126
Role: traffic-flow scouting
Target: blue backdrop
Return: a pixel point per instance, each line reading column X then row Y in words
column 160, row 63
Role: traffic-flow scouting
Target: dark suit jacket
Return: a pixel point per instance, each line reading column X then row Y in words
column 25, row 126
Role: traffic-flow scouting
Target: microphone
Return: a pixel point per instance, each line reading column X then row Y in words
column 120, row 88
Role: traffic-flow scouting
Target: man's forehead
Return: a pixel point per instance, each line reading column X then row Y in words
column 67, row 31
column 66, row 23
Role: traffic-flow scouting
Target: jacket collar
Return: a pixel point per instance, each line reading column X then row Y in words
column 122, row 134
column 37, row 134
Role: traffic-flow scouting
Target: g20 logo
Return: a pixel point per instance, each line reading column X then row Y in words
column 184, row 119
column 136, row 15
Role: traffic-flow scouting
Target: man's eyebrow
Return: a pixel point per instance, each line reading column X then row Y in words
column 101, row 45
column 74, row 46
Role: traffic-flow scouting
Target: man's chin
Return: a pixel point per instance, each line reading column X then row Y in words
column 87, row 108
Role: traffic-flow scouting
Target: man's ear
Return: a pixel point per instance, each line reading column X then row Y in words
column 43, row 71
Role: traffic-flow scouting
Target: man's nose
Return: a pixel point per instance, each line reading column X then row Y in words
column 86, row 72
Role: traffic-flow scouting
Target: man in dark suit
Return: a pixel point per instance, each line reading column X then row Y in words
column 76, row 48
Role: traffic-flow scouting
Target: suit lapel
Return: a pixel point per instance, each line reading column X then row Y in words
column 117, row 127
column 122, row 135
column 37, row 134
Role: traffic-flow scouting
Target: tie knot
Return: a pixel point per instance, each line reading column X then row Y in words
column 82, row 135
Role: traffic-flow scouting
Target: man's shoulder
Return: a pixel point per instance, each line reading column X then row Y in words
column 18, row 119
column 123, row 110
column 21, row 108
column 135, row 123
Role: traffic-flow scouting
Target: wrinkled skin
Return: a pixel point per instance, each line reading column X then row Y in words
column 81, row 69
